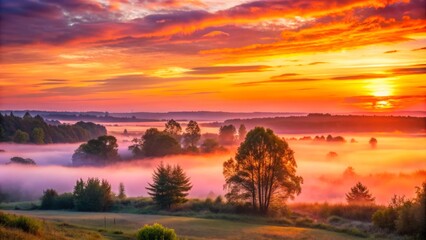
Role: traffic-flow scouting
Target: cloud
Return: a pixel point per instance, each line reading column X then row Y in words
column 391, row 51
column 419, row 49
column 317, row 63
column 414, row 69
column 229, row 69
column 216, row 34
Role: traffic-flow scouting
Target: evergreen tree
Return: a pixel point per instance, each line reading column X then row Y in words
column 170, row 186
column 359, row 194
column 93, row 195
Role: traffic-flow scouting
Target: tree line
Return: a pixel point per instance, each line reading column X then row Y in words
column 35, row 130
column 158, row 143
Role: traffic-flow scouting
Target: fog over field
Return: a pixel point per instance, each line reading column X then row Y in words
column 396, row 166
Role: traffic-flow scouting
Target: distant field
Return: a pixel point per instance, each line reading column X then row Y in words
column 190, row 228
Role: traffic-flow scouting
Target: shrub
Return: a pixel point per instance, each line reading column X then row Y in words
column 64, row 201
column 385, row 218
column 156, row 232
column 26, row 224
column 48, row 199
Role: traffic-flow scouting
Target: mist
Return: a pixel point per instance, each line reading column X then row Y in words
column 395, row 166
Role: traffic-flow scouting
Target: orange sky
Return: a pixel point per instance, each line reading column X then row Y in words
column 170, row 55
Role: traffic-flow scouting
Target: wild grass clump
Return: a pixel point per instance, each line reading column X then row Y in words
column 156, row 231
column 23, row 223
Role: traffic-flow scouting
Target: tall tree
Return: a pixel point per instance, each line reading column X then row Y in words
column 21, row 137
column 192, row 135
column 264, row 168
column 227, row 134
column 373, row 142
column 242, row 132
column 156, row 144
column 174, row 129
column 170, row 186
column 359, row 194
column 121, row 192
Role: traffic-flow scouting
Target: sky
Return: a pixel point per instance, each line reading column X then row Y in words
column 171, row 55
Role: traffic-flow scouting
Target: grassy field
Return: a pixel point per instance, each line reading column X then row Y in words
column 124, row 226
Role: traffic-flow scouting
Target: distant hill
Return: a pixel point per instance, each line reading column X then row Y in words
column 326, row 123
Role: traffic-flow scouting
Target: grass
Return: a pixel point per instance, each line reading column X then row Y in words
column 92, row 225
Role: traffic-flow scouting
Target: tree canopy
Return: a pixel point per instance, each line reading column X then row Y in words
column 155, row 143
column 227, row 134
column 242, row 132
column 23, row 161
column 93, row 195
column 174, row 129
column 359, row 194
column 264, row 169
column 192, row 135
column 100, row 151
column 170, row 186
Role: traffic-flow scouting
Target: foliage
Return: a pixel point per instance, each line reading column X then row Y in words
column 404, row 216
column 174, row 129
column 359, row 194
column 264, row 168
column 210, row 146
column 121, row 192
column 155, row 143
column 36, row 130
column 100, row 151
column 227, row 134
column 37, row 136
column 26, row 224
column 156, row 232
column 170, row 186
column 93, row 195
column 21, row 137
column 48, row 199
column 23, row 161
column 192, row 135
column 242, row 132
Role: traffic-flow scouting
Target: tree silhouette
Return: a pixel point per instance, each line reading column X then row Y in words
column 121, row 192
column 242, row 132
column 174, row 129
column 227, row 134
column 373, row 142
column 264, row 168
column 192, row 135
column 359, row 194
column 100, row 151
column 170, row 186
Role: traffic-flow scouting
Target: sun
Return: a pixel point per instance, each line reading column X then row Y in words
column 380, row 88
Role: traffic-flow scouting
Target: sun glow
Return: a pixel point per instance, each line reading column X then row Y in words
column 381, row 88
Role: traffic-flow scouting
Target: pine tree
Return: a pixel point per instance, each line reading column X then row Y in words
column 359, row 194
column 170, row 186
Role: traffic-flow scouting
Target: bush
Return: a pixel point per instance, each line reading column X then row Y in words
column 48, row 199
column 156, row 232
column 26, row 224
column 385, row 218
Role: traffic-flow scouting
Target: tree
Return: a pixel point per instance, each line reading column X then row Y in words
column 227, row 134
column 21, row 137
column 170, row 186
column 93, row 195
column 37, row 136
column 373, row 142
column 121, row 192
column 192, row 135
column 155, row 144
column 242, row 132
column 100, row 151
column 264, row 169
column 360, row 195
column 210, row 146
column 48, row 199
column 174, row 129
column 23, row 161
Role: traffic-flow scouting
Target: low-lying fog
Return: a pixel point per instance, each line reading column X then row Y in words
column 396, row 166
